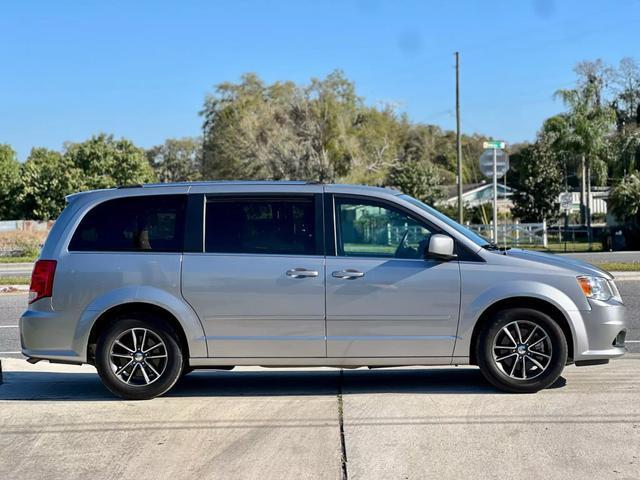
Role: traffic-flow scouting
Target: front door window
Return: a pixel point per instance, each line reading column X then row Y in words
column 370, row 229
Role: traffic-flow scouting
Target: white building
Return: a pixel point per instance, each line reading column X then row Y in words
column 475, row 194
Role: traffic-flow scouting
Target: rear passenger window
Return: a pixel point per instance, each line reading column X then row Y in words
column 148, row 223
column 284, row 226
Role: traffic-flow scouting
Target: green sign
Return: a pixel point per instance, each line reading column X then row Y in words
column 494, row 144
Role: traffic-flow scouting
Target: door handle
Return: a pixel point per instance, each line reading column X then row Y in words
column 348, row 274
column 301, row 273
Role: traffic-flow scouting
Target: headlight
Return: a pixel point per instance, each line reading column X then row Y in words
column 615, row 291
column 597, row 288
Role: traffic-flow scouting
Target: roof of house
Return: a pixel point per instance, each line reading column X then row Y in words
column 451, row 191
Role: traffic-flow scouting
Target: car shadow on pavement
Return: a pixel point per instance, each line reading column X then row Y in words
column 36, row 386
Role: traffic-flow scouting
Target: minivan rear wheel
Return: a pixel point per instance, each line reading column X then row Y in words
column 521, row 350
column 138, row 357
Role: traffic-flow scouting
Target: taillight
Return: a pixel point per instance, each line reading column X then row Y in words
column 42, row 280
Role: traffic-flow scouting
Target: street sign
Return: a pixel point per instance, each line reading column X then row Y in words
column 494, row 163
column 494, row 144
column 486, row 163
column 566, row 201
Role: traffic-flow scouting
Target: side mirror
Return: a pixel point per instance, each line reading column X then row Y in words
column 440, row 247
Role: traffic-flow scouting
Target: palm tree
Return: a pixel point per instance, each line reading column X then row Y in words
column 625, row 198
column 583, row 131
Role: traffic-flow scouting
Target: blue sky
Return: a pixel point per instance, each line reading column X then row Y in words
column 141, row 69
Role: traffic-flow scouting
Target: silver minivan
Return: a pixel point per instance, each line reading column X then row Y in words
column 149, row 282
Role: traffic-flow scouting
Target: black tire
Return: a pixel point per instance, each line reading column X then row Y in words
column 521, row 372
column 168, row 369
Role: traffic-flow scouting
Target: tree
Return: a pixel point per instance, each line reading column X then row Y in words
column 106, row 162
column 281, row 131
column 587, row 125
column 9, row 182
column 626, row 88
column 418, row 179
column 378, row 140
column 623, row 152
column 320, row 131
column 177, row 160
column 47, row 178
column 586, row 129
column 541, row 181
column 234, row 119
column 625, row 198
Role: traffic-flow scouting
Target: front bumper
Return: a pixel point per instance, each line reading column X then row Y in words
column 601, row 336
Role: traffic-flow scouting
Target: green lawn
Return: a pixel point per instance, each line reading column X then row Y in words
column 17, row 259
column 559, row 247
column 370, row 248
column 620, row 267
column 15, row 280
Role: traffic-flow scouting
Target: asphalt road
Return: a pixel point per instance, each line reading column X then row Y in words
column 446, row 423
column 606, row 257
column 15, row 269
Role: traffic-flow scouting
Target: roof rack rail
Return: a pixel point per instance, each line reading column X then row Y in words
column 133, row 185
column 314, row 182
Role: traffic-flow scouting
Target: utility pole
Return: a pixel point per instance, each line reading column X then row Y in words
column 458, row 140
column 495, row 196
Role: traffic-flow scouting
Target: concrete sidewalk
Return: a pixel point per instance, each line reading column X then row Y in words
column 407, row 423
column 59, row 422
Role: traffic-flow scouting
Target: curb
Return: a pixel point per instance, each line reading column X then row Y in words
column 15, row 266
column 626, row 275
column 14, row 289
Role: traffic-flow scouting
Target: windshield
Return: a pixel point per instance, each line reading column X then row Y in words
column 467, row 232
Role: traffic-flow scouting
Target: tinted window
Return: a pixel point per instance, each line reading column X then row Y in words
column 149, row 223
column 370, row 229
column 283, row 226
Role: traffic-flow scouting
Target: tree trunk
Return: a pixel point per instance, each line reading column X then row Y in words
column 583, row 178
column 588, row 209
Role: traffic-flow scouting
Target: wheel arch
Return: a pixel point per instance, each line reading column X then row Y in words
column 538, row 304
column 109, row 316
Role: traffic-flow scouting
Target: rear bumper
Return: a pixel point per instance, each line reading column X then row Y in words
column 601, row 337
column 48, row 335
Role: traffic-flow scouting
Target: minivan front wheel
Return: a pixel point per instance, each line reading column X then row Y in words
column 139, row 357
column 521, row 351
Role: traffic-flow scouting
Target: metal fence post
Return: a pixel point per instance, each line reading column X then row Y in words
column 545, row 242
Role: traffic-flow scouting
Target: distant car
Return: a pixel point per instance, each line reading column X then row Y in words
column 149, row 282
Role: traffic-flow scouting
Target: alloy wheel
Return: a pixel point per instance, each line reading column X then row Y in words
column 522, row 350
column 138, row 357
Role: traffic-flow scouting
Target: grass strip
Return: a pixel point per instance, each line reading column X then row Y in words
column 619, row 266
column 17, row 259
column 15, row 280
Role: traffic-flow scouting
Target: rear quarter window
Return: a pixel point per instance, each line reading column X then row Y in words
column 146, row 223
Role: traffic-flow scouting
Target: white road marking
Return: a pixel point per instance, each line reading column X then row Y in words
column 632, row 341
